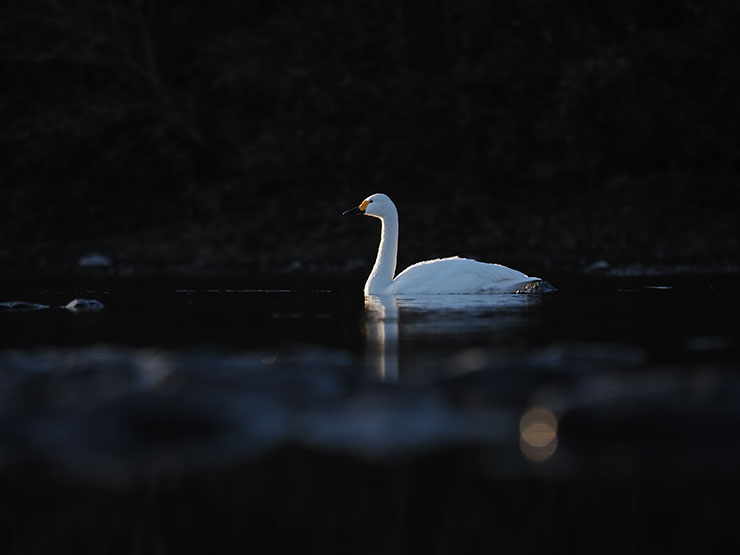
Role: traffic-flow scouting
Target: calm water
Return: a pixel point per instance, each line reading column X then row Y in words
column 607, row 376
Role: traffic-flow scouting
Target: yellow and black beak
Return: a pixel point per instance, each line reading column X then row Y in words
column 357, row 209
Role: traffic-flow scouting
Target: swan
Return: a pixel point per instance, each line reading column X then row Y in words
column 440, row 276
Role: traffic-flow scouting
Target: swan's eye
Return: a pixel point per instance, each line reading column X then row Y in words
column 364, row 204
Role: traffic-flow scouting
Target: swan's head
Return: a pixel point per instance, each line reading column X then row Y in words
column 377, row 205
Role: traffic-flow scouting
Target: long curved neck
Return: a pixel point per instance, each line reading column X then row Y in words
column 385, row 264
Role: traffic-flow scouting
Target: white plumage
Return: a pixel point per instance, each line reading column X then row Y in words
column 442, row 276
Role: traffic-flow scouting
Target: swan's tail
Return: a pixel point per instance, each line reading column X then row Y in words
column 535, row 286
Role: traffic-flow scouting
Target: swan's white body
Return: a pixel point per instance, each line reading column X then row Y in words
column 441, row 276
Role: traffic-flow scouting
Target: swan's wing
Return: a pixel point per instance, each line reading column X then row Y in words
column 457, row 275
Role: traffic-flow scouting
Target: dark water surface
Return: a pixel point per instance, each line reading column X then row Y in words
column 629, row 380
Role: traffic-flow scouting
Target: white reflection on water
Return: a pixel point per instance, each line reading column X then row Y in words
column 381, row 335
column 391, row 319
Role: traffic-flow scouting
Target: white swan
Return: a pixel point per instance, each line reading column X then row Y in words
column 441, row 276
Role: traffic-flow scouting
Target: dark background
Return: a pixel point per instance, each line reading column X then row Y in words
column 214, row 139
column 230, row 137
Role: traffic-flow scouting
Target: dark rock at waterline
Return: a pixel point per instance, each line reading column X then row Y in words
column 21, row 306
column 84, row 305
column 94, row 260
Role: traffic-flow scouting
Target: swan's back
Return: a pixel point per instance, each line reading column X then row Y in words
column 457, row 275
